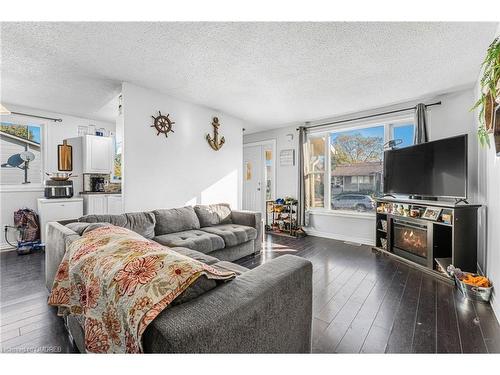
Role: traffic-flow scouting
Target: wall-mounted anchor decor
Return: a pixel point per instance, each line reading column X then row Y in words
column 163, row 124
column 214, row 142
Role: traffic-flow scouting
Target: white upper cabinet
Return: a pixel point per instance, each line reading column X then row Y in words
column 92, row 154
column 98, row 154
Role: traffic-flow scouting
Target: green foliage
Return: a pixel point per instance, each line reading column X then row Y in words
column 488, row 84
column 118, row 166
column 355, row 148
column 483, row 137
column 20, row 131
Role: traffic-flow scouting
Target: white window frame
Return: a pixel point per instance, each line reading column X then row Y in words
column 44, row 129
column 389, row 124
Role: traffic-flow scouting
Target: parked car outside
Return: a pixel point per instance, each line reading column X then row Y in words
column 358, row 202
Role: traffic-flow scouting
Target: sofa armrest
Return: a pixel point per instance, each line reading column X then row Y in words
column 265, row 310
column 250, row 219
column 58, row 237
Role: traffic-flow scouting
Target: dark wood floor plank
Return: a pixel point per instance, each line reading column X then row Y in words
column 28, row 307
column 424, row 337
column 10, row 334
column 15, row 316
column 343, row 321
column 489, row 326
column 343, row 292
column 376, row 340
column 327, row 293
column 471, row 336
column 355, row 336
column 318, row 327
column 447, row 334
column 401, row 338
column 335, row 331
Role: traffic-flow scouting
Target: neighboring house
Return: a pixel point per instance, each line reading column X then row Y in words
column 364, row 177
column 11, row 145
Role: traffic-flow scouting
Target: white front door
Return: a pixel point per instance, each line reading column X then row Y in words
column 253, row 178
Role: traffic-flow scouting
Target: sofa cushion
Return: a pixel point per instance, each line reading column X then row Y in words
column 139, row 222
column 82, row 228
column 213, row 214
column 207, row 259
column 175, row 220
column 192, row 239
column 233, row 234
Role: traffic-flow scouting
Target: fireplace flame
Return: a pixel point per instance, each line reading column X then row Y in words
column 413, row 240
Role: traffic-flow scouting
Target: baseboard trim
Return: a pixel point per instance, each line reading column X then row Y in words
column 4, row 247
column 496, row 311
column 340, row 237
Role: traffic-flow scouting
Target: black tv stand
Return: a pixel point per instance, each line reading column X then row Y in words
column 405, row 230
column 457, row 201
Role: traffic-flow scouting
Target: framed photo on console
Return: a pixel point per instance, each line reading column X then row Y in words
column 431, row 213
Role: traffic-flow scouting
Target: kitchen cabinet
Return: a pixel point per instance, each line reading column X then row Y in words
column 95, row 204
column 92, row 154
column 100, row 204
column 56, row 210
column 115, row 204
column 98, row 154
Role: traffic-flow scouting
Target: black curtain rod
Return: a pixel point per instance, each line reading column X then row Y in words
column 369, row 116
column 42, row 117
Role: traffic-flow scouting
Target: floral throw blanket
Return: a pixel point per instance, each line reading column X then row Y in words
column 120, row 281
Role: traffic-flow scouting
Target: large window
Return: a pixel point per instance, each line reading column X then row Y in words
column 350, row 163
column 20, row 153
column 315, row 177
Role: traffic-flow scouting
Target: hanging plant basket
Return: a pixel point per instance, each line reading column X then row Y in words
column 490, row 93
column 489, row 112
column 498, row 92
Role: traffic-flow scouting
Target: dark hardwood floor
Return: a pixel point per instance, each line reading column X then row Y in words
column 363, row 303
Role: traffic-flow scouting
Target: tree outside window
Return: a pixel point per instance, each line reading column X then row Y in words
column 356, row 163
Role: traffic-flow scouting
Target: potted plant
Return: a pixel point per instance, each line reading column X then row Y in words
column 490, row 91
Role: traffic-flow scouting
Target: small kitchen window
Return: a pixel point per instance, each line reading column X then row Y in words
column 116, row 175
column 21, row 153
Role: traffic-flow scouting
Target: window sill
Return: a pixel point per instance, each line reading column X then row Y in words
column 21, row 188
column 340, row 213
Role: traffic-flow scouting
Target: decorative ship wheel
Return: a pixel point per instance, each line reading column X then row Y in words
column 163, row 124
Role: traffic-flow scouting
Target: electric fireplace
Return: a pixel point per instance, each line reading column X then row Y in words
column 410, row 241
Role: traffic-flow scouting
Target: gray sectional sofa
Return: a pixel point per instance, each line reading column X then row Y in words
column 264, row 310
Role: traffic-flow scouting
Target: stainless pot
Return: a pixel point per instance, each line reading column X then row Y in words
column 59, row 176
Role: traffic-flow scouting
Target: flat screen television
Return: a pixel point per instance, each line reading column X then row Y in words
column 432, row 169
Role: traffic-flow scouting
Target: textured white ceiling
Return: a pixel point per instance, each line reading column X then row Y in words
column 268, row 74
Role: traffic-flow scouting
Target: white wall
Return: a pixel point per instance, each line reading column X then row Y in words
column 489, row 234
column 452, row 117
column 182, row 169
column 55, row 132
